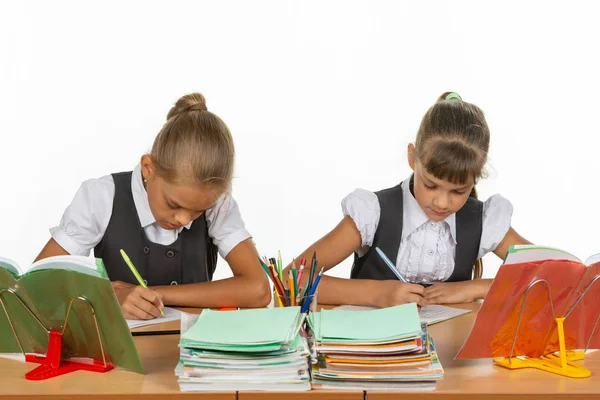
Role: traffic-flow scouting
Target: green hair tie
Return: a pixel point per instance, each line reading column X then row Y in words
column 453, row 95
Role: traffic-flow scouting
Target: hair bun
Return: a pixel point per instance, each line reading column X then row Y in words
column 200, row 106
column 189, row 102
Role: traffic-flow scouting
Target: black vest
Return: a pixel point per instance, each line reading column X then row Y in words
column 469, row 224
column 191, row 258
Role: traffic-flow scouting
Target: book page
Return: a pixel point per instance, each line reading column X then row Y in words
column 11, row 266
column 593, row 259
column 85, row 265
column 528, row 253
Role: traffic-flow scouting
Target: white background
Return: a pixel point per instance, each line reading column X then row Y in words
column 322, row 97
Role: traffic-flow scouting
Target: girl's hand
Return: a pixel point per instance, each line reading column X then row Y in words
column 138, row 302
column 394, row 292
column 456, row 292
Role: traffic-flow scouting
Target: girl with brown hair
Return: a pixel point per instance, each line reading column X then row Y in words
column 171, row 215
column 431, row 226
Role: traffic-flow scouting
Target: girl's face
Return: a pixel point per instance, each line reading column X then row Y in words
column 176, row 205
column 436, row 197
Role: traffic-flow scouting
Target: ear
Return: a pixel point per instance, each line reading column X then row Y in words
column 147, row 166
column 411, row 156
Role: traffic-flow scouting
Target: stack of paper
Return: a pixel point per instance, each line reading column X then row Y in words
column 386, row 349
column 259, row 349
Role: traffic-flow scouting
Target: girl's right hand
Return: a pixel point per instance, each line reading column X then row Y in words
column 394, row 292
column 138, row 302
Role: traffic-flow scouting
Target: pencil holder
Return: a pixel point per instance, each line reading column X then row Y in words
column 285, row 301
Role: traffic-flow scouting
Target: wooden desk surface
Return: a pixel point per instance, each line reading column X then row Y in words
column 464, row 379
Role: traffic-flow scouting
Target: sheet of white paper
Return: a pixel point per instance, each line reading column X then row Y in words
column 430, row 314
column 171, row 314
column 435, row 313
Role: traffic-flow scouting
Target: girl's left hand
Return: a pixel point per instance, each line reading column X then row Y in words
column 456, row 292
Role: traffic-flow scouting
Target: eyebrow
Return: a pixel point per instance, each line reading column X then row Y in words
column 433, row 183
column 177, row 205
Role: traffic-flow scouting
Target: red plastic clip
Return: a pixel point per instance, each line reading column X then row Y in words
column 53, row 366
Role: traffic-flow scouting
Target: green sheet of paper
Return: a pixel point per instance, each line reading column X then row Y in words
column 374, row 325
column 260, row 326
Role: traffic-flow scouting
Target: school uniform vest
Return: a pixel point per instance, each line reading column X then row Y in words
column 191, row 258
column 469, row 225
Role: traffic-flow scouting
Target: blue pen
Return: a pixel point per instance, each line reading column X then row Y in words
column 311, row 293
column 390, row 265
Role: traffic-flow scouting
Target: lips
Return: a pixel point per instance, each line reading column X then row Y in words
column 440, row 213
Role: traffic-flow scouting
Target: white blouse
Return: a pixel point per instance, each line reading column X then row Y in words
column 84, row 222
column 427, row 248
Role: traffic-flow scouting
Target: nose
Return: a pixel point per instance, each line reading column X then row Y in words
column 183, row 218
column 442, row 201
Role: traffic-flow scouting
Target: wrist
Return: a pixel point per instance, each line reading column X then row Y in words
column 163, row 292
column 482, row 286
column 381, row 290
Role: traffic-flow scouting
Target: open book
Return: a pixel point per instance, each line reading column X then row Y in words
column 530, row 252
column 38, row 300
column 560, row 280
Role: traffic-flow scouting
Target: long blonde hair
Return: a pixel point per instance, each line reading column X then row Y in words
column 194, row 146
column 452, row 144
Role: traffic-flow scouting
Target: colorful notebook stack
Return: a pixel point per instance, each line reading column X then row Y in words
column 258, row 349
column 386, row 349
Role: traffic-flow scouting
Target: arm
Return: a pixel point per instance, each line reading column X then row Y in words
column 510, row 239
column 51, row 249
column 335, row 247
column 249, row 287
column 468, row 291
column 136, row 301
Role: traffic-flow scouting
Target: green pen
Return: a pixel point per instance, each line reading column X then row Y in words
column 136, row 273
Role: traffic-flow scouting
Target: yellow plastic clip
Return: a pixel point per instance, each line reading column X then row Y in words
column 560, row 363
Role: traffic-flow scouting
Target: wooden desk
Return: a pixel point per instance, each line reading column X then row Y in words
column 159, row 355
column 464, row 379
column 474, row 379
column 471, row 379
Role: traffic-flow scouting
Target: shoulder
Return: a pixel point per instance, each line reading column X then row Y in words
column 360, row 200
column 497, row 207
column 97, row 189
column 363, row 207
column 360, row 195
column 225, row 224
column 85, row 220
column 497, row 215
column 224, row 206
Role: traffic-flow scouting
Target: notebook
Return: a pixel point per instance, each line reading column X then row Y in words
column 380, row 325
column 261, row 327
column 557, row 276
column 47, row 289
column 380, row 349
column 258, row 349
